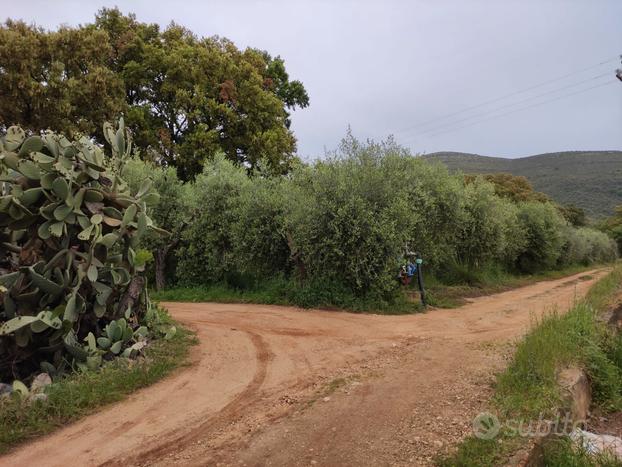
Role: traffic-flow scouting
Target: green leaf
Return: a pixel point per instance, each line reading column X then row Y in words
column 93, row 196
column 86, row 233
column 42, row 158
column 109, row 240
column 14, row 137
column 144, row 188
column 20, row 388
column 61, row 212
column 15, row 324
column 32, row 144
column 56, row 229
column 92, row 273
column 30, row 196
column 60, row 187
column 141, row 332
column 47, row 180
column 116, row 347
column 129, row 215
column 104, row 343
column 71, row 313
column 29, row 169
column 44, row 284
column 91, row 341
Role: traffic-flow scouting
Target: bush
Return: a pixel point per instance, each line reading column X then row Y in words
column 206, row 254
column 542, row 229
column 69, row 267
column 173, row 212
column 259, row 240
column 489, row 230
column 586, row 246
column 348, row 219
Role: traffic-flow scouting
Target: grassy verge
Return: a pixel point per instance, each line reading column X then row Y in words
column 454, row 292
column 282, row 291
column 447, row 293
column 80, row 394
column 528, row 388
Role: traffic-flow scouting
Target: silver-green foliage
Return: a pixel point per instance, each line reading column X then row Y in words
column 586, row 245
column 346, row 221
column 206, row 255
column 542, row 226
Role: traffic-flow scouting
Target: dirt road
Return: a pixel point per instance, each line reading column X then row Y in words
column 282, row 386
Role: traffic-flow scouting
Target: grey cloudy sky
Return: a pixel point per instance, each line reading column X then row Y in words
column 395, row 67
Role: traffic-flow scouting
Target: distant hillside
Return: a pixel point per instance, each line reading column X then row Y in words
column 591, row 180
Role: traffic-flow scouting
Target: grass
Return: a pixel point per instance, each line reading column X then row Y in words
column 454, row 291
column 282, row 291
column 475, row 452
column 80, row 394
column 528, row 387
column 450, row 291
column 561, row 453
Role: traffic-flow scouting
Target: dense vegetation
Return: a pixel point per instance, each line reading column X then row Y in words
column 613, row 226
column 338, row 228
column 186, row 98
column 587, row 179
column 71, row 284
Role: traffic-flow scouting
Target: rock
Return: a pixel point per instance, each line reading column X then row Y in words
column 5, row 389
column 596, row 444
column 40, row 382
column 577, row 391
column 616, row 318
column 326, row 399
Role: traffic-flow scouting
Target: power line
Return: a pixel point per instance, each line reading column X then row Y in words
column 523, row 108
column 515, row 93
column 436, row 128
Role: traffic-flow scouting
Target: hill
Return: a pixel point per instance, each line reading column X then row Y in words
column 591, row 180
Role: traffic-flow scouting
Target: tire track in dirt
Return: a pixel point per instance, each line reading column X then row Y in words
column 229, row 412
column 254, row 393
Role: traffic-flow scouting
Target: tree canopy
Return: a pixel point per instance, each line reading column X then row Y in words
column 516, row 188
column 187, row 98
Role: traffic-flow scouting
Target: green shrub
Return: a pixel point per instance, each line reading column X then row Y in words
column 348, row 219
column 206, row 254
column 541, row 227
column 346, row 222
column 586, row 246
column 174, row 212
column 70, row 231
column 489, row 230
column 259, row 239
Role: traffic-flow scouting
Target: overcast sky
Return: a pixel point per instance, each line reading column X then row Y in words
column 400, row 67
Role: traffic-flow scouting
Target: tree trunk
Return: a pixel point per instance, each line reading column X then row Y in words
column 160, row 260
column 295, row 257
column 160, row 267
column 131, row 296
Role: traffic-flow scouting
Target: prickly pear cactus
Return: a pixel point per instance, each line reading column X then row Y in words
column 69, row 228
